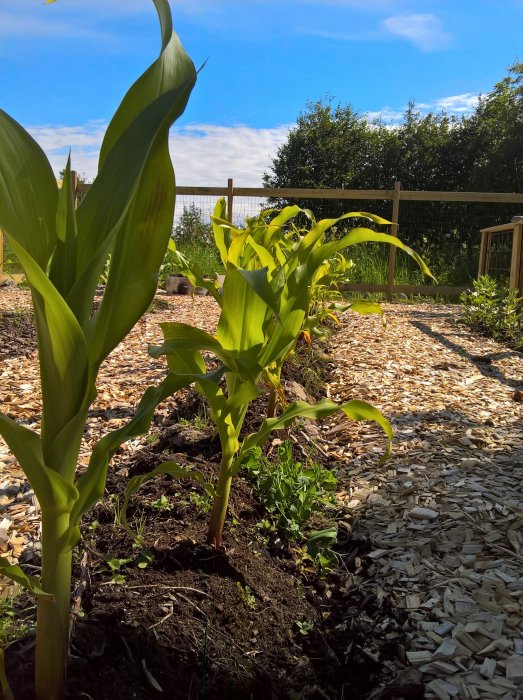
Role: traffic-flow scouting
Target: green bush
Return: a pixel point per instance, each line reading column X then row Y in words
column 494, row 310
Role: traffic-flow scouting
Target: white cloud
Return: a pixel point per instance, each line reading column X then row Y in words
column 458, row 104
column 425, row 31
column 387, row 115
column 453, row 104
column 209, row 154
column 203, row 154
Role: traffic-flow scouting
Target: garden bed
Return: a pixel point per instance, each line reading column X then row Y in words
column 429, row 546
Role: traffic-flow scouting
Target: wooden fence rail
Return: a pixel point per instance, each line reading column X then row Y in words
column 394, row 195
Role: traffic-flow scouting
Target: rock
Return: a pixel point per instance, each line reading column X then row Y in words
column 295, row 391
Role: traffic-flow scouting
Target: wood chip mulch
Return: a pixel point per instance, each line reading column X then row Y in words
column 441, row 519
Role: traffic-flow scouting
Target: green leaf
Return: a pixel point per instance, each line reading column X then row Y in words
column 63, row 266
column 55, row 495
column 128, row 209
column 364, row 235
column 257, row 280
column 64, row 368
column 172, row 68
column 366, row 308
column 16, row 574
column 357, row 410
column 240, row 327
column 28, row 192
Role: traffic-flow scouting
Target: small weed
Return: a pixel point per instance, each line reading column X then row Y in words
column 114, row 501
column 92, row 526
column 320, row 549
column 144, row 559
column 290, row 492
column 247, row 596
column 152, row 439
column 201, row 420
column 202, row 501
column 12, row 625
column 162, row 504
column 304, row 627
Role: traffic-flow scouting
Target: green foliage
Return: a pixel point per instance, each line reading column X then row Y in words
column 127, row 215
column 192, row 237
column 197, row 253
column 335, row 147
column 202, row 255
column 13, row 624
column 494, row 310
column 320, row 549
column 290, row 491
column 265, row 304
column 192, row 227
column 246, row 595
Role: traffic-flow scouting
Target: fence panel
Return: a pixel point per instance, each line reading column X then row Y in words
column 431, row 222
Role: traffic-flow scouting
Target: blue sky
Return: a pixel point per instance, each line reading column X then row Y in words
column 64, row 67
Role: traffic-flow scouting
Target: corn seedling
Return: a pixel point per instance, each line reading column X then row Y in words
column 300, row 266
column 265, row 302
column 127, row 215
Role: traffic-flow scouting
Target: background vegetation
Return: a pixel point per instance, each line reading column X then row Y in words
column 335, row 147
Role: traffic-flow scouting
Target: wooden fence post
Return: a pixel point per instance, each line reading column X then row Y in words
column 394, row 232
column 1, row 255
column 230, row 198
column 482, row 266
column 515, row 263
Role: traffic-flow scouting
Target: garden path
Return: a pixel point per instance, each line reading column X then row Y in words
column 437, row 529
column 444, row 515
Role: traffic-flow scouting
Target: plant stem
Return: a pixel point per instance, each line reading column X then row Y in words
column 221, row 500
column 53, row 618
column 272, row 403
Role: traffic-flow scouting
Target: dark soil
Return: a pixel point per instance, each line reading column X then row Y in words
column 18, row 334
column 176, row 618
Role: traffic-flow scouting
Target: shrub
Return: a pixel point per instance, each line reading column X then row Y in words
column 494, row 310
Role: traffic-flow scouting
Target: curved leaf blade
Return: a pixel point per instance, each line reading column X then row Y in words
column 28, row 192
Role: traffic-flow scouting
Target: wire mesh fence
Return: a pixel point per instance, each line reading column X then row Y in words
column 499, row 256
column 446, row 233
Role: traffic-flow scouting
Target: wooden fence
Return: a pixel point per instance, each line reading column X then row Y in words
column 514, row 231
column 396, row 195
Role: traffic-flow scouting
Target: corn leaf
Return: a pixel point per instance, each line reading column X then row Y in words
column 63, row 266
column 16, row 574
column 54, row 493
column 356, row 409
column 91, row 484
column 28, row 192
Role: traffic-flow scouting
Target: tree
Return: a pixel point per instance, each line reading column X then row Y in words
column 192, row 227
column 334, row 147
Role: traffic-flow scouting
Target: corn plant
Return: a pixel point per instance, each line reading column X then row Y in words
column 127, row 216
column 290, row 253
column 263, row 311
